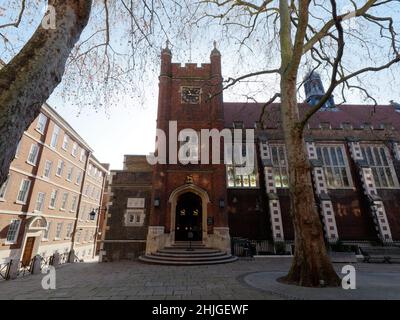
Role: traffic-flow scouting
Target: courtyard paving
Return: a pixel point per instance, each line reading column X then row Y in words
column 241, row 280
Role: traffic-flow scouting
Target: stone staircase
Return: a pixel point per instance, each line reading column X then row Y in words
column 184, row 253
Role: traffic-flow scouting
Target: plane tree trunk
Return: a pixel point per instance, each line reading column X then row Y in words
column 32, row 75
column 311, row 265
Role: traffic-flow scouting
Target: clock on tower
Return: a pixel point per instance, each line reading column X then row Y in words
column 190, row 95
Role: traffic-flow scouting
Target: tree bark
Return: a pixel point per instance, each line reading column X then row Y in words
column 311, row 265
column 32, row 75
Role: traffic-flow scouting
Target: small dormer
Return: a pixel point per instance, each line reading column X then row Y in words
column 325, row 126
column 346, row 126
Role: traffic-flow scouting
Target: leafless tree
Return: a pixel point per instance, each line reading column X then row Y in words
column 315, row 36
column 102, row 48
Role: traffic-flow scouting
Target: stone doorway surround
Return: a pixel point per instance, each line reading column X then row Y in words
column 158, row 239
column 173, row 200
column 34, row 228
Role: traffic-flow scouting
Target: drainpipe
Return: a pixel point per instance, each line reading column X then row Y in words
column 99, row 213
column 71, row 258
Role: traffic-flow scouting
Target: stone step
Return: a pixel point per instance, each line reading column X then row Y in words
column 189, row 254
column 153, row 260
column 187, row 245
column 195, row 258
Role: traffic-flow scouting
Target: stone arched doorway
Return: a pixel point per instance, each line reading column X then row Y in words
column 190, row 198
column 188, row 217
column 34, row 228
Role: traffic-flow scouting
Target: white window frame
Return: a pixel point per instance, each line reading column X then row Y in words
column 3, row 189
column 68, row 232
column 59, row 227
column 53, row 199
column 82, row 156
column 70, row 173
column 42, row 196
column 279, row 168
column 54, row 137
column 40, row 126
column 46, row 232
column 60, row 168
column 47, row 169
column 346, row 165
column 134, row 214
column 65, row 142
column 64, row 201
column 78, row 177
column 15, row 231
column 74, row 203
column 390, row 166
column 74, row 150
column 35, row 153
column 19, row 201
column 233, row 167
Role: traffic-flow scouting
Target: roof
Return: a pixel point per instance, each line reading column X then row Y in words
column 356, row 115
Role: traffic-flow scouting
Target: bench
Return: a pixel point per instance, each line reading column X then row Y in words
column 392, row 254
column 343, row 257
column 382, row 254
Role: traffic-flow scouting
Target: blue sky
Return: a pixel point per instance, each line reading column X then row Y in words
column 129, row 126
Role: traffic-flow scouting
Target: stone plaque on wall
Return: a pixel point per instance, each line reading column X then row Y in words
column 135, row 203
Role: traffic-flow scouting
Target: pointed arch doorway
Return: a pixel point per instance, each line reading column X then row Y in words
column 189, row 213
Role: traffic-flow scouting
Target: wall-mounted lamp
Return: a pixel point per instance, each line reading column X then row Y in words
column 92, row 215
column 221, row 203
column 157, row 202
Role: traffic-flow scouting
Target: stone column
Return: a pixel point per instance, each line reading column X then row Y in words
column 377, row 207
column 273, row 199
column 325, row 204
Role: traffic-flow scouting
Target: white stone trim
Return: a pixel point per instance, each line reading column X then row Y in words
column 381, row 221
column 264, row 150
column 329, row 220
column 30, row 214
column 276, row 220
column 319, row 180
column 355, row 151
column 396, row 150
column 269, row 180
column 311, row 151
column 43, row 179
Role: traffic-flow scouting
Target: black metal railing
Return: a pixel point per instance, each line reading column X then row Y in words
column 242, row 247
column 26, row 268
column 5, row 270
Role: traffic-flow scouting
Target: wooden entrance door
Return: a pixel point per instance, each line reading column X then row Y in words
column 188, row 218
column 27, row 256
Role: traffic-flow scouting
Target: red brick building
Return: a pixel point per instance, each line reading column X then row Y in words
column 354, row 151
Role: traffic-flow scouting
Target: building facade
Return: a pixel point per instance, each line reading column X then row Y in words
column 53, row 184
column 354, row 153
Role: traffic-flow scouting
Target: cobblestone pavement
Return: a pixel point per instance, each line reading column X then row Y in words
column 135, row 280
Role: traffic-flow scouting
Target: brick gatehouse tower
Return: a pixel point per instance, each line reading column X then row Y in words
column 189, row 198
column 354, row 154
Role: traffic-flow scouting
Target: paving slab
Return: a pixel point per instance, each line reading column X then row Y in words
column 241, row 280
